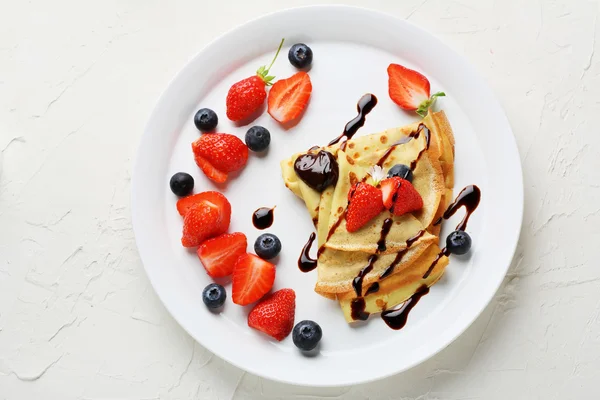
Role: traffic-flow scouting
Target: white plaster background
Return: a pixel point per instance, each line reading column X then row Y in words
column 78, row 319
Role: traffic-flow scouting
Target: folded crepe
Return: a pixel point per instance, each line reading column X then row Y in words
column 411, row 245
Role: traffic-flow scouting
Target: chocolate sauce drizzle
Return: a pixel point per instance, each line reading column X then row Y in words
column 385, row 229
column 469, row 198
column 388, row 271
column 374, row 288
column 318, row 171
column 443, row 253
column 306, row 263
column 366, row 103
column 357, row 307
column 263, row 218
column 396, row 318
column 404, row 140
column 358, row 280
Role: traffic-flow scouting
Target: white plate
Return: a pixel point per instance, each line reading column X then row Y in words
column 352, row 49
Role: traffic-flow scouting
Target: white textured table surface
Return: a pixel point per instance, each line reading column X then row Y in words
column 78, row 319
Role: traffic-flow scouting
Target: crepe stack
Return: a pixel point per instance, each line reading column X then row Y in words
column 344, row 255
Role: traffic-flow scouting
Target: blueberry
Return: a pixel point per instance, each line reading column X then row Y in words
column 267, row 246
column 300, row 55
column 258, row 138
column 458, row 242
column 214, row 295
column 182, row 184
column 306, row 335
column 206, row 119
column 401, row 171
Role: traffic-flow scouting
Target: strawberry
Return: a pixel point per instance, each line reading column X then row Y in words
column 217, row 154
column 388, row 188
column 364, row 203
column 252, row 278
column 274, row 315
column 184, row 204
column 288, row 97
column 248, row 95
column 410, row 89
column 219, row 255
column 203, row 221
column 406, row 199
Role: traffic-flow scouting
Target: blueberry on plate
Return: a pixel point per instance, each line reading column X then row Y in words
column 182, row 184
column 401, row 171
column 214, row 295
column 206, row 120
column 267, row 246
column 458, row 242
column 300, row 55
column 306, row 335
column 258, row 138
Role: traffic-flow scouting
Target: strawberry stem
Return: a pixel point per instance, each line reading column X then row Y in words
column 263, row 71
column 426, row 104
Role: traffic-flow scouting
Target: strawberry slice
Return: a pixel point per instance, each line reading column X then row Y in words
column 406, row 199
column 217, row 154
column 274, row 315
column 186, row 203
column 252, row 278
column 219, row 255
column 288, row 97
column 365, row 203
column 210, row 171
column 388, row 189
column 201, row 222
column 410, row 89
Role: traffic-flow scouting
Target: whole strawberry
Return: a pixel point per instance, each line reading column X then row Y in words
column 248, row 95
column 364, row 203
column 274, row 315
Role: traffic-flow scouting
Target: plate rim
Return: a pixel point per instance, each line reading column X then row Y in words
column 476, row 311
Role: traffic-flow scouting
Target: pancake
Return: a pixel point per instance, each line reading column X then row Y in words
column 412, row 242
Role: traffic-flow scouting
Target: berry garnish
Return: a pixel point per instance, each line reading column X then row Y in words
column 401, row 171
column 458, row 242
column 300, row 55
column 388, row 188
column 306, row 335
column 204, row 221
column 218, row 154
column 274, row 315
column 267, row 246
column 364, row 203
column 186, row 203
column 182, row 184
column 219, row 255
column 252, row 278
column 406, row 199
column 248, row 95
column 206, row 120
column 410, row 89
column 214, row 295
column 288, row 97
column 258, row 138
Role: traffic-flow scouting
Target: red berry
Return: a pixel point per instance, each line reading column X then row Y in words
column 184, row 204
column 407, row 88
column 406, row 199
column 218, row 154
column 274, row 315
column 388, row 188
column 252, row 278
column 203, row 221
column 288, row 97
column 365, row 203
column 219, row 255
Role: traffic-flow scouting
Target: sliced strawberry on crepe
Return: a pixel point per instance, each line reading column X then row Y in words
column 220, row 254
column 364, row 204
column 410, row 89
column 406, row 199
column 288, row 97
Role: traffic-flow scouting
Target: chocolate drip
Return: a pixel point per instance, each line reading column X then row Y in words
column 358, row 280
column 263, row 218
column 306, row 263
column 358, row 306
column 385, row 229
column 469, row 198
column 318, row 171
column 404, row 140
column 366, row 103
column 388, row 271
column 396, row 318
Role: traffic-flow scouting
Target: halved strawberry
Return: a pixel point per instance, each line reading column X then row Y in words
column 288, row 97
column 219, row 255
column 210, row 171
column 365, row 203
column 217, row 154
column 184, row 204
column 274, row 315
column 203, row 221
column 388, row 188
column 410, row 89
column 252, row 278
column 406, row 199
